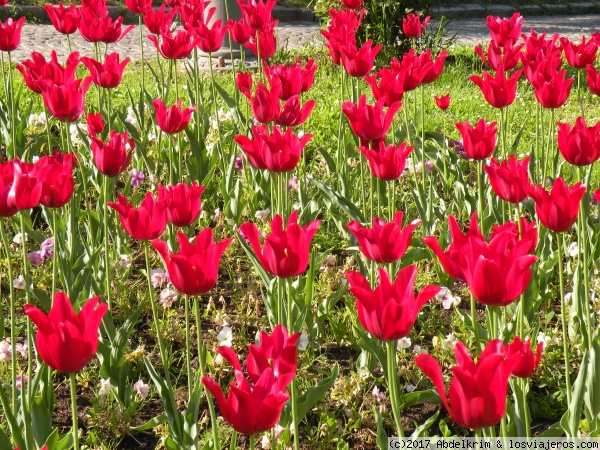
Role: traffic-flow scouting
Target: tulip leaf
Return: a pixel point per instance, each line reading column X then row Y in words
column 152, row 423
column 343, row 203
column 16, row 430
column 328, row 159
column 570, row 420
column 257, row 265
column 42, row 297
column 483, row 334
column 419, row 397
column 553, row 431
column 41, row 420
column 382, row 437
column 592, row 391
column 372, row 346
column 4, row 441
column 421, row 430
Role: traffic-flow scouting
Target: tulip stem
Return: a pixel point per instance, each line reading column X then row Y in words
column 73, row 384
column 27, row 301
column 392, row 376
column 293, row 389
column 13, row 336
column 578, row 92
column 13, row 119
column 474, row 324
column 106, row 248
column 252, row 444
column 187, row 343
column 481, row 194
column 583, row 248
column 552, row 138
column 564, row 317
column 216, row 108
column 143, row 62
column 423, row 180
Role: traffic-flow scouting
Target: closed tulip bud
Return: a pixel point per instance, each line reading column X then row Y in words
column 185, row 203
column 95, row 124
column 412, row 26
column 146, row 222
column 557, row 209
column 579, row 145
column 442, row 102
column 510, row 178
column 109, row 74
column 26, row 189
column 173, row 119
column 352, row 4
column 479, row 142
column 65, row 21
column 240, row 32
column 67, row 341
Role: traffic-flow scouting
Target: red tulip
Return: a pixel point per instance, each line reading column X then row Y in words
column 390, row 311
column 10, row 34
column 498, row 91
column 535, row 44
column 503, row 31
column 194, row 13
column 341, row 31
column 249, row 408
column 450, row 259
column 194, row 269
column 386, row 242
column 138, row 6
column 56, row 176
column 177, row 47
column 37, row 71
column 510, row 179
column 257, row 13
column 557, row 209
column 210, row 39
column 99, row 7
column 387, row 163
column 546, row 65
column 65, row 21
column 369, row 122
column 527, row 232
column 109, row 74
column 410, row 70
column 113, row 157
column 66, row 102
column 352, row 4
column 157, row 21
column 95, row 124
column 477, row 394
column 551, row 92
column 479, row 142
column 579, row 145
column 443, row 101
column 265, row 103
column 596, row 195
column 26, row 189
column 412, row 26
column 7, row 177
column 67, row 341
column 390, row 87
column 266, row 39
column 94, row 28
column 145, row 223
column 185, row 202
column 173, row 119
column 508, row 56
column 285, row 253
column 579, row 56
column 430, row 70
column 293, row 113
column 291, row 80
column 359, row 62
column 525, row 362
column 277, row 151
column 240, row 32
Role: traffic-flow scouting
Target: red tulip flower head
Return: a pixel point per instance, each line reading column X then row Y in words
column 477, row 394
column 66, row 102
column 369, row 122
column 352, row 4
column 291, row 80
column 157, row 21
column 412, row 26
column 510, row 178
column 387, row 162
column 185, row 202
column 359, row 62
column 67, row 341
column 442, row 102
column 257, row 13
column 138, row 6
column 173, row 119
column 294, row 113
column 596, row 195
column 65, row 21
column 479, row 142
column 508, row 56
column 194, row 269
column 101, row 28
column 210, row 39
column 37, row 72
column 56, row 175
column 579, row 56
column 109, row 74
column 10, row 34
column 503, row 31
column 341, row 32
column 7, row 176
column 386, row 242
column 497, row 90
column 388, row 85
column 113, row 157
column 285, row 253
column 430, row 70
column 267, row 41
column 144, row 223
column 593, row 79
column 95, row 124
column 551, row 91
column 390, row 311
column 557, row 209
column 525, row 361
column 264, row 103
column 178, row 47
column 26, row 188
column 240, row 32
column 579, row 145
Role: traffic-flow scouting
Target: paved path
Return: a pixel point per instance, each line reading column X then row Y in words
column 43, row 38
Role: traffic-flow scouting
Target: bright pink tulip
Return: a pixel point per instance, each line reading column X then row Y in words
column 285, row 253
column 65, row 21
column 479, row 142
column 593, row 79
column 510, row 178
column 557, row 209
column 390, row 311
column 503, row 31
column 293, row 113
column 579, row 145
column 173, row 119
column 508, row 56
column 37, row 71
column 210, row 39
column 146, row 222
column 66, row 102
column 240, row 32
column 388, row 85
column 178, row 47
column 387, row 162
column 385, row 242
column 412, row 26
column 26, row 189
column 266, row 39
column 264, row 103
column 497, row 90
column 525, row 362
column 369, row 122
column 579, row 56
column 113, row 157
column 10, row 34
column 551, row 92
column 109, row 74
column 138, row 6
column 194, row 269
column 185, row 202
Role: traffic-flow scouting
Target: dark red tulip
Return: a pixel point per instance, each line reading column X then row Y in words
column 525, row 362
column 266, row 39
column 388, row 85
column 352, row 4
column 65, row 21
column 477, row 394
column 557, row 209
column 56, row 175
column 67, row 341
column 194, row 269
column 442, row 102
column 185, row 202
column 551, row 92
column 146, row 222
column 210, row 39
column 240, row 32
column 479, row 142
column 173, row 119
column 503, row 31
column 178, row 47
column 579, row 145
column 369, row 122
column 264, row 103
column 579, row 56
column 387, row 162
column 7, row 176
column 385, row 242
column 10, row 34
column 285, row 253
column 26, row 188
column 109, row 74
column 293, row 113
column 412, row 26
column 138, row 6
column 95, row 124
column 510, row 178
column 497, row 90
column 113, row 157
column 390, row 311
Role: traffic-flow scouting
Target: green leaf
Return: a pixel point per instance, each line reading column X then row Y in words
column 41, row 420
column 421, row 430
column 417, row 398
column 152, row 423
column 570, row 420
column 343, row 203
column 382, row 437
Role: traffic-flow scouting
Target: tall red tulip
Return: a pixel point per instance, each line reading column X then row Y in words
column 412, row 26
column 352, row 4
column 185, row 202
column 385, row 242
column 579, row 56
column 37, row 72
column 503, row 31
column 257, row 13
column 266, row 40
column 508, row 56
column 210, row 39
column 65, row 21
column 390, row 311
column 579, row 145
column 510, row 178
column 477, row 394
column 194, row 269
column 442, row 102
column 557, row 209
column 240, row 32
column 113, row 157
column 497, row 90
column 292, row 79
column 174, row 47
column 67, row 341
column 387, row 84
column 479, row 142
column 26, row 188
column 138, row 6
column 551, row 91
column 341, row 31
column 264, row 103
column 66, row 102
column 593, row 79
column 56, row 175
column 525, row 362
column 157, row 21
column 173, row 119
column 146, row 222
column 369, row 122
column 284, row 253
column 101, row 28
column 358, row 62
column 109, row 74
column 293, row 112
column 10, row 34
column 387, row 162
column 7, row 176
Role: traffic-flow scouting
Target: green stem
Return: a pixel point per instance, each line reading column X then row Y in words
column 474, row 323
column 106, row 247
column 13, row 335
column 565, row 330
column 143, row 62
column 394, row 389
column 293, row 387
column 583, row 238
column 216, row 107
column 481, row 194
column 28, row 301
column 252, row 443
column 73, row 384
column 187, row 343
column 13, row 112
column 54, row 265
column 424, row 180
column 578, row 92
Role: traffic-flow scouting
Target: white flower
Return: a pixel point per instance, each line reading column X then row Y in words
column 18, row 239
column 225, row 337
column 221, row 320
column 167, row 297
column 21, row 348
column 278, row 430
column 19, row 282
column 158, row 277
column 105, row 387
column 265, row 442
column 419, row 350
column 409, row 387
column 449, row 342
column 567, row 298
column 141, row 388
column 379, row 395
column 21, row 379
column 330, row 260
column 218, row 361
column 303, row 341
column 403, row 343
column 37, row 121
column 5, row 351
column 545, row 340
column 217, row 215
column 124, row 262
column 447, row 299
column 263, row 214
column 75, row 138
column 573, row 249
column 297, row 206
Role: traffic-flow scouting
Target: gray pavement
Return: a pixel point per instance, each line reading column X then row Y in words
column 292, row 35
